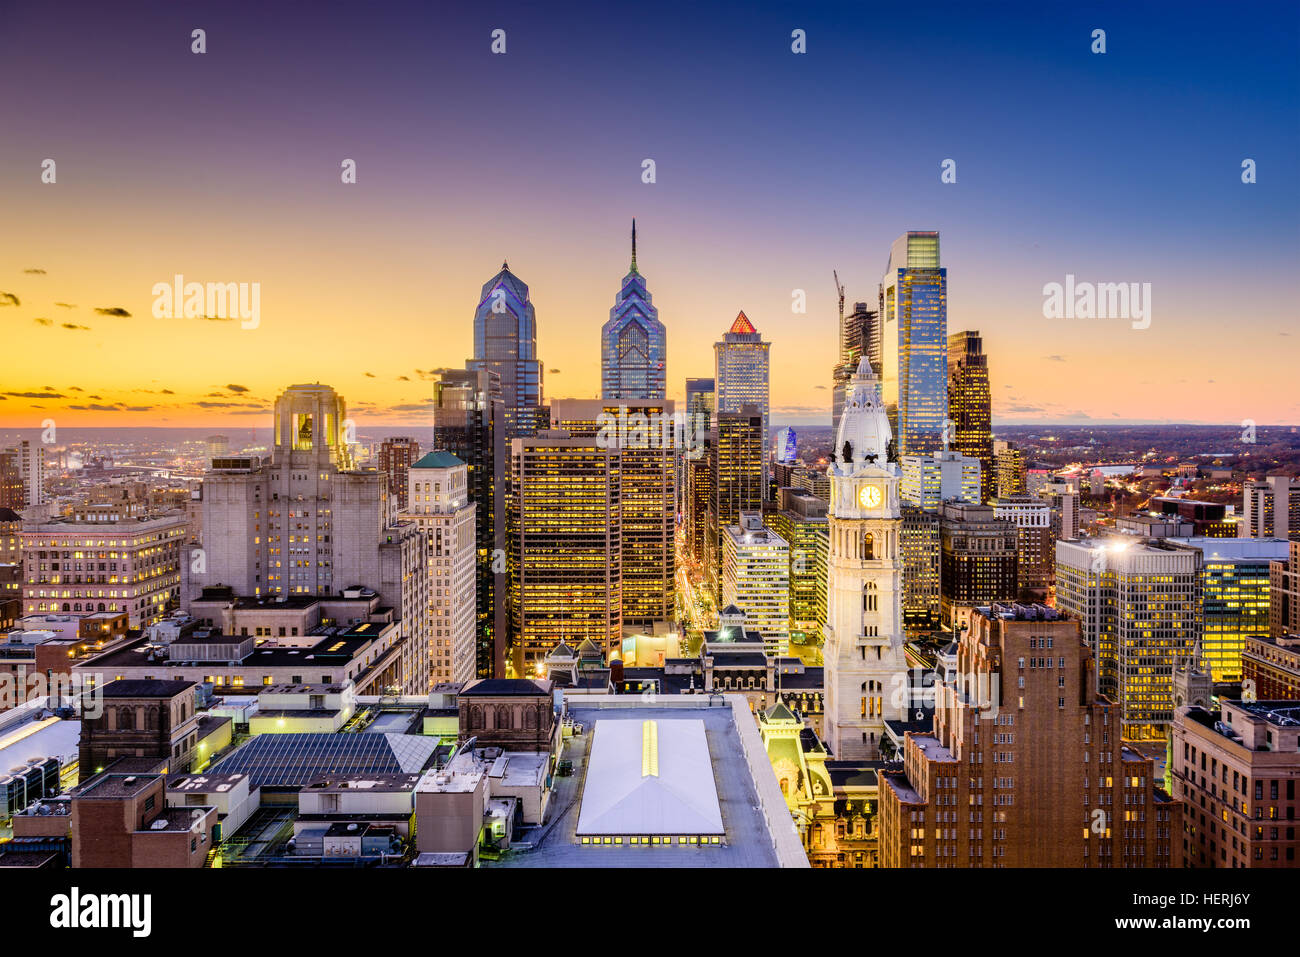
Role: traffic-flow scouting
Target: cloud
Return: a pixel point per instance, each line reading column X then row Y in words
column 37, row 395
column 819, row 387
column 137, row 408
column 227, row 405
column 73, row 325
column 65, row 305
column 34, row 272
column 369, row 375
column 552, row 371
column 75, row 388
column 237, row 388
column 115, row 311
column 95, row 407
column 1054, row 358
column 215, row 318
column 403, row 378
column 9, row 299
column 43, row 322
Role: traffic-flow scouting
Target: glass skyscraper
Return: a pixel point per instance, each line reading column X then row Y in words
column 505, row 342
column 633, row 343
column 741, row 379
column 914, row 343
column 970, row 404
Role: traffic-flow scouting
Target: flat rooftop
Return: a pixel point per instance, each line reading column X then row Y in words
column 649, row 776
column 757, row 830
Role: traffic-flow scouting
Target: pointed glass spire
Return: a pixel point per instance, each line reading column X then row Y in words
column 633, row 244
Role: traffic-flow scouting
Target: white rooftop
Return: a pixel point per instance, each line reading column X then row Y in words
column 649, row 776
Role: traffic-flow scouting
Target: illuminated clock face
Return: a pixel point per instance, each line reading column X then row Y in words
column 869, row 496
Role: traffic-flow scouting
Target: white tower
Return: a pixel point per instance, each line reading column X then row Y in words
column 866, row 672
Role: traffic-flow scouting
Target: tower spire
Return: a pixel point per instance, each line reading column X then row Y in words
column 634, row 244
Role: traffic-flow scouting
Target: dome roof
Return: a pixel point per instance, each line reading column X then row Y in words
column 864, row 425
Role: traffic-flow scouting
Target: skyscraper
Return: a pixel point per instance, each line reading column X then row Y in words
column 737, row 482
column 505, row 342
column 306, row 524
column 469, row 422
column 1139, row 607
column 930, row 480
column 633, row 343
column 439, row 505
column 699, row 410
column 742, row 374
column 800, row 519
column 636, row 429
column 396, row 455
column 914, row 342
column 865, row 666
column 970, row 404
column 1024, row 761
column 859, row 336
column 1271, row 508
column 756, row 579
column 566, row 545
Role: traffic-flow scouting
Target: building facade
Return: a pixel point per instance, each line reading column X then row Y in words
column 566, row 545
column 756, row 579
column 439, row 505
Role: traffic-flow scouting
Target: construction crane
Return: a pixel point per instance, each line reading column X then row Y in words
column 840, row 289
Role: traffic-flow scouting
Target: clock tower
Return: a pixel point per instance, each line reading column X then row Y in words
column 865, row 669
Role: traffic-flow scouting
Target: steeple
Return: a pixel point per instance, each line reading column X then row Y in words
column 633, row 244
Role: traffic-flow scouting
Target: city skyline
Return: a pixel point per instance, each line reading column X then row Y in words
column 1099, row 190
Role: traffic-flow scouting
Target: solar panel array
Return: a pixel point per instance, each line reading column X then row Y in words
column 296, row 760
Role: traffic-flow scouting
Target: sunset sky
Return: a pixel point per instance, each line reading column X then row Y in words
column 772, row 170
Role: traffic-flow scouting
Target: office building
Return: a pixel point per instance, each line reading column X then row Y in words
column 920, row 548
column 741, row 379
column 1284, row 594
column 1009, row 462
column 1035, row 546
column 1236, row 773
column 863, row 650
column 566, row 545
column 304, row 522
column 1270, row 667
column 26, row 489
column 699, row 416
column 859, row 336
column 756, row 579
column 699, row 500
column 633, row 343
column 800, row 519
column 1025, row 766
column 439, row 505
column 1271, row 508
column 469, row 422
column 914, row 343
column 396, row 456
column 641, row 431
column 932, row 479
column 737, row 480
column 979, row 561
column 1139, row 607
column 970, row 404
column 1064, row 499
column 1234, row 587
column 12, row 492
column 82, row 564
column 505, row 343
